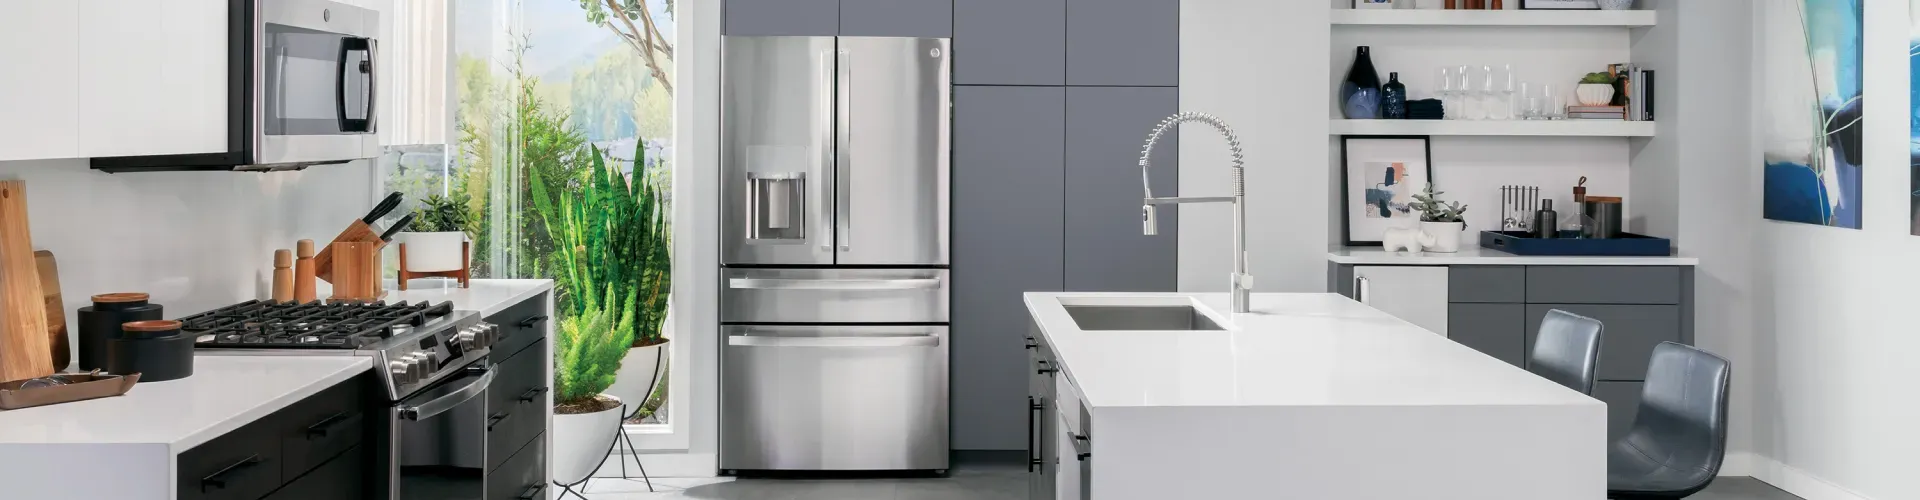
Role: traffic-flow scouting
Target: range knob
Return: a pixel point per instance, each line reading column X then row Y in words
column 400, row 373
column 493, row 333
column 417, row 368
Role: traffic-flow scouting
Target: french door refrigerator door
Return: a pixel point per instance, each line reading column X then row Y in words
column 835, row 295
column 893, row 128
column 834, row 397
column 777, row 150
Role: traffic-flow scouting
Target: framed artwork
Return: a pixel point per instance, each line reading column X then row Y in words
column 1560, row 4
column 1379, row 176
column 1811, row 112
column 1913, row 90
column 1376, row 4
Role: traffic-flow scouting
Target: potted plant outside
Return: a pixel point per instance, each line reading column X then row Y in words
column 1441, row 220
column 1595, row 89
column 433, row 239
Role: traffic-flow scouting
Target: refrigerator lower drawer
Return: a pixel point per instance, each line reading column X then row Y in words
column 834, row 296
column 834, row 398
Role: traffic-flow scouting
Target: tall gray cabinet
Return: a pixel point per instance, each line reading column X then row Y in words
column 1052, row 100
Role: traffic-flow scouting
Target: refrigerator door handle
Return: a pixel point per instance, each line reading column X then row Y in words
column 826, row 143
column 832, row 284
column 864, row 341
column 843, row 178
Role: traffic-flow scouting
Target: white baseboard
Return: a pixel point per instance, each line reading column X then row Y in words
column 1737, row 464
column 1799, row 482
column 664, row 465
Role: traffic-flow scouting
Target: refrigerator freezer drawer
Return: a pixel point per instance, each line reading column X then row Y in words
column 834, row 398
column 835, row 296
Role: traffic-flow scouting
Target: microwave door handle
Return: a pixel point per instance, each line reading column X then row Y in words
column 348, row 46
column 372, row 71
column 340, row 84
column 473, row 389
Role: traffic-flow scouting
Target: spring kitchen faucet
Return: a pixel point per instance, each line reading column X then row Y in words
column 1240, row 282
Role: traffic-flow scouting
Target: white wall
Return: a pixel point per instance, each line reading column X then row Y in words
column 1834, row 405
column 194, row 240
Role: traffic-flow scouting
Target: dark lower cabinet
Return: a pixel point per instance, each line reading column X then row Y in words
column 521, row 325
column 1499, row 330
column 321, row 434
column 1623, row 401
column 1628, row 335
column 340, row 478
column 516, row 403
column 240, row 465
column 523, row 476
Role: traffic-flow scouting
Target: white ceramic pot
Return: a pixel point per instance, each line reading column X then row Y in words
column 580, row 442
column 439, row 251
column 1594, row 94
column 1446, row 235
column 632, row 383
column 1616, row 4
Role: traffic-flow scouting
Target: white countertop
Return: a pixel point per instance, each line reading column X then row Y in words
column 224, row 393
column 486, row 296
column 1475, row 255
column 1294, row 349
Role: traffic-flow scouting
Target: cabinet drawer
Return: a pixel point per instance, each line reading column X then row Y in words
column 240, row 465
column 1603, row 285
column 516, row 404
column 341, row 478
column 521, row 325
column 522, row 477
column 1499, row 330
column 322, row 426
column 1623, row 402
column 1628, row 336
column 1487, row 284
column 835, row 295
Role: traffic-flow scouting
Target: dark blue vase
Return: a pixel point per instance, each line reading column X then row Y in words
column 1393, row 98
column 1360, row 92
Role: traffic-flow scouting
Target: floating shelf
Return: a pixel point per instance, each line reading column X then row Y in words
column 1561, row 128
column 1419, row 17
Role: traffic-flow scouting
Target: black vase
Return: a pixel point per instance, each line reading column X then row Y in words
column 1393, row 98
column 1360, row 93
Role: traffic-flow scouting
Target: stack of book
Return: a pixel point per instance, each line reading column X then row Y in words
column 1636, row 84
column 1596, row 112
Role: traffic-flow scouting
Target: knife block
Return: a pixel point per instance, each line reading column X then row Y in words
column 357, row 232
column 356, row 276
column 462, row 274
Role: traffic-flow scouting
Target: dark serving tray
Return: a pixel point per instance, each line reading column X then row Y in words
column 1569, row 243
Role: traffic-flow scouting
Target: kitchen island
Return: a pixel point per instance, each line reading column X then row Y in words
column 1307, row 396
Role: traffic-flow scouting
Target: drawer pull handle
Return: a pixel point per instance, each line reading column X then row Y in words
column 1046, row 371
column 532, row 492
column 338, row 420
column 495, row 419
column 833, row 284
column 218, row 481
column 1031, row 344
column 527, row 397
column 532, row 321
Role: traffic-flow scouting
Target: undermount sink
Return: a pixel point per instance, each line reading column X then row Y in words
column 1171, row 317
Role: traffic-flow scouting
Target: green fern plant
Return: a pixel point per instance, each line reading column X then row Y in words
column 440, row 214
column 1433, row 210
column 589, row 347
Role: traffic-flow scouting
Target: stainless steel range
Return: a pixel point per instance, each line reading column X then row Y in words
column 431, row 358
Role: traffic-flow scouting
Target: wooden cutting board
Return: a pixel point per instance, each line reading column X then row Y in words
column 24, row 352
column 56, row 309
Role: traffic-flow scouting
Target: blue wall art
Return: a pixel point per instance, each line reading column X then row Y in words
column 1812, row 84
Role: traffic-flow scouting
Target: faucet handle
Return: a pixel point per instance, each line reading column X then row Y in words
column 1149, row 221
column 1243, row 281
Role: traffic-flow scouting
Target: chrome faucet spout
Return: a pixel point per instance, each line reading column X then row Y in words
column 1240, row 283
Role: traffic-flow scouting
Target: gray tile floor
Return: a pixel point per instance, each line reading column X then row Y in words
column 968, row 481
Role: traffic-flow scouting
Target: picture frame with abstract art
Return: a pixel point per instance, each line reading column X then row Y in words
column 1812, row 108
column 1379, row 176
column 1913, row 118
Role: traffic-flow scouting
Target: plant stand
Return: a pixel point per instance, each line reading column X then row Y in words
column 620, row 433
column 627, row 441
column 462, row 275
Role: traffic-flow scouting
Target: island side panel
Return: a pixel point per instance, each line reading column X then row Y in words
column 1428, row 452
column 137, row 471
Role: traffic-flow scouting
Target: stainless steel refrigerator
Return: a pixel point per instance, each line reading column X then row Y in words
column 834, row 252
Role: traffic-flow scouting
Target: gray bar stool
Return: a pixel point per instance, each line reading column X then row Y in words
column 1567, row 350
column 1679, row 435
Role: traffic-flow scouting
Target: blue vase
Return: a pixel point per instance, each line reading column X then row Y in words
column 1360, row 92
column 1393, row 98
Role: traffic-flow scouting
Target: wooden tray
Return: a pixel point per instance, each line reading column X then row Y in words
column 82, row 386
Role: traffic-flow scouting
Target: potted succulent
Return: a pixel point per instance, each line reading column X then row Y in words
column 1596, row 89
column 1441, row 220
column 433, row 239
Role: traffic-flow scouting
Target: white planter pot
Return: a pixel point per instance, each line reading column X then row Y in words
column 1446, row 235
column 1594, row 94
column 1616, row 4
column 428, row 252
column 638, row 374
column 580, row 441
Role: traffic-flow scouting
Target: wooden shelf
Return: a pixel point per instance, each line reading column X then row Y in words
column 1418, row 17
column 1559, row 128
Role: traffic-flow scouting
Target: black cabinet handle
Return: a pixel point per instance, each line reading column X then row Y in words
column 1031, row 344
column 1084, row 456
column 1032, row 447
column 495, row 419
column 1044, row 371
column 218, row 481
column 527, row 397
column 532, row 321
column 322, row 428
column 532, row 492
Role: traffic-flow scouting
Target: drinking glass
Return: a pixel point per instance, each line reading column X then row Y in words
column 1446, row 93
column 1486, row 95
column 1530, row 103
column 1555, row 109
column 1464, row 88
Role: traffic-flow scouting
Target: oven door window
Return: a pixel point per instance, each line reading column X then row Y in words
column 442, row 435
column 315, row 82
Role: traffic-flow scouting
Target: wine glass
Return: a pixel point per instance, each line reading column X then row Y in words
column 1464, row 87
column 1446, row 93
column 1504, row 108
column 1486, row 94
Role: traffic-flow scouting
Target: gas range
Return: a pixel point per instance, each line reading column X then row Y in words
column 414, row 345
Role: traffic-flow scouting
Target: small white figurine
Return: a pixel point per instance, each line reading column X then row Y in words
column 1412, row 239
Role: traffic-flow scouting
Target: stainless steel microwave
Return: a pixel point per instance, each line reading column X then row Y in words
column 301, row 83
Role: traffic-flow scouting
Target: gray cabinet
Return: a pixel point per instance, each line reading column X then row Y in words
column 1630, row 333
column 781, row 17
column 1603, row 285
column 1123, row 42
column 1104, row 246
column 1008, row 231
column 1487, row 284
column 1499, row 330
column 914, row 18
column 1623, row 401
column 1009, row 42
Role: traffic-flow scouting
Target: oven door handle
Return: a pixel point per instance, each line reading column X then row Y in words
column 473, row 388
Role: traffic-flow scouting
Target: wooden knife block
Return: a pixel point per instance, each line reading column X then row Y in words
column 358, row 232
column 356, row 276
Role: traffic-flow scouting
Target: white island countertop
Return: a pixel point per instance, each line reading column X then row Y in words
column 1475, row 255
column 488, row 296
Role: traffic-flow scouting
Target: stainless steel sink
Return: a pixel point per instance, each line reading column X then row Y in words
column 1141, row 318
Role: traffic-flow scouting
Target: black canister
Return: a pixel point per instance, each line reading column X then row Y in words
column 1606, row 215
column 100, row 324
column 155, row 349
column 1546, row 222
